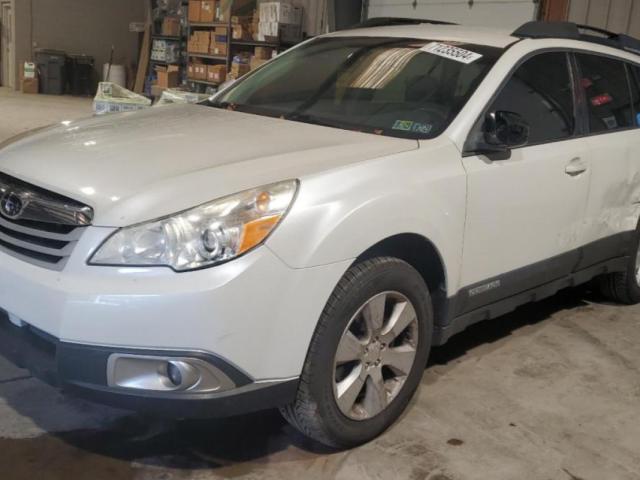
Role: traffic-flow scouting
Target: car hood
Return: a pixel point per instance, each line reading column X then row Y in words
column 140, row 166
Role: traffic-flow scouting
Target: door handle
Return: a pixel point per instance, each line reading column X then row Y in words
column 576, row 167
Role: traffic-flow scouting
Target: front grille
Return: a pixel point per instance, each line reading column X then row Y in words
column 47, row 228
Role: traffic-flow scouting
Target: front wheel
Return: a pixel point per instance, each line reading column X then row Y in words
column 367, row 355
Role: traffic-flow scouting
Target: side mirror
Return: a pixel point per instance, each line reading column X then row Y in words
column 505, row 130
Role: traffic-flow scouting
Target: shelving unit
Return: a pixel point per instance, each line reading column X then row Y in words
column 221, row 58
column 255, row 43
column 201, row 85
column 204, row 82
column 234, row 47
column 180, row 40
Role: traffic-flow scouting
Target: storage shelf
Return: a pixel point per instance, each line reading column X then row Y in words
column 254, row 43
column 222, row 58
column 203, row 82
column 168, row 37
column 208, row 25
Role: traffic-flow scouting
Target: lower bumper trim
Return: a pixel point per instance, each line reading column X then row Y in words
column 82, row 370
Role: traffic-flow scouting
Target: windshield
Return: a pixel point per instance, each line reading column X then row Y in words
column 387, row 86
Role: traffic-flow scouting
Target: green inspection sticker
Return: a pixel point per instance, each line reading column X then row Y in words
column 409, row 126
column 404, row 125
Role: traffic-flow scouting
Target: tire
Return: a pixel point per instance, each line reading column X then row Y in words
column 317, row 412
column 624, row 287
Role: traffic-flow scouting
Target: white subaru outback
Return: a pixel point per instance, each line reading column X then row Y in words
column 303, row 238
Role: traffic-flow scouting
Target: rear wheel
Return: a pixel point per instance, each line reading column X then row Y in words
column 624, row 287
column 367, row 355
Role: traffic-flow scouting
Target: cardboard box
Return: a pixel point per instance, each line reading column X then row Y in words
column 280, row 12
column 200, row 71
column 199, row 42
column 240, row 8
column 239, row 70
column 257, row 62
column 191, row 70
column 168, row 77
column 171, row 27
column 112, row 98
column 221, row 49
column 264, row 53
column 208, row 11
column 157, row 90
column 216, row 73
column 30, row 85
column 29, row 82
column 241, row 32
column 195, row 9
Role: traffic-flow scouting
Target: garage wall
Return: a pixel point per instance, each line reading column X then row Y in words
column 21, row 36
column 621, row 16
column 78, row 27
column 88, row 27
column 505, row 14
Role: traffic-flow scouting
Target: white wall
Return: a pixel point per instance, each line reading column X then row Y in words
column 315, row 16
column 506, row 14
column 621, row 16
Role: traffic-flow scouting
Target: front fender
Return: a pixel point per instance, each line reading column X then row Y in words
column 340, row 214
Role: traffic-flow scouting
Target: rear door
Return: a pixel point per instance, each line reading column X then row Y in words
column 612, row 101
column 525, row 213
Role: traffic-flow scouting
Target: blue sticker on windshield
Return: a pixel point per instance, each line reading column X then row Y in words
column 409, row 126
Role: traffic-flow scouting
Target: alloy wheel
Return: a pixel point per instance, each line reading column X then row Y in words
column 375, row 355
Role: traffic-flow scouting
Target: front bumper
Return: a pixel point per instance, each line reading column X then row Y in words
column 82, row 370
column 255, row 312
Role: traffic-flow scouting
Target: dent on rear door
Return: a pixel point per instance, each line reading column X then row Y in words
column 614, row 197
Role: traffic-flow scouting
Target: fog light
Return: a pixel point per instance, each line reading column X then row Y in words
column 174, row 374
column 165, row 374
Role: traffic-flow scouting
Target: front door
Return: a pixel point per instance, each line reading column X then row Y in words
column 6, row 45
column 525, row 213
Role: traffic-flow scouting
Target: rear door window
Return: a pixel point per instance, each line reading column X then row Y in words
column 634, row 79
column 606, row 86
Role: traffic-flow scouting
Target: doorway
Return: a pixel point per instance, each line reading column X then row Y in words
column 554, row 10
column 7, row 74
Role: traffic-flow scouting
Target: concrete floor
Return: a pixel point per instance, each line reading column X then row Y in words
column 20, row 113
column 549, row 392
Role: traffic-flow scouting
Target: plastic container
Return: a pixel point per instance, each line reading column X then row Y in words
column 117, row 74
column 81, row 74
column 53, row 71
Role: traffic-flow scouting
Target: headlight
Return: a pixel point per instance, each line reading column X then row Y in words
column 204, row 236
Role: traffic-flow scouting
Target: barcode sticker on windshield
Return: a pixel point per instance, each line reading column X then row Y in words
column 452, row 53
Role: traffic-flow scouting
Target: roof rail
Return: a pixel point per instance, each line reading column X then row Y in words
column 573, row 31
column 393, row 21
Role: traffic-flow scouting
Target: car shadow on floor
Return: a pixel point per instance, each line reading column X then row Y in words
column 531, row 314
column 240, row 444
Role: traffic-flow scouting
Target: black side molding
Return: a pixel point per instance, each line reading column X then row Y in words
column 444, row 332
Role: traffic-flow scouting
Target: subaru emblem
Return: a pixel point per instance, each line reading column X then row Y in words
column 11, row 206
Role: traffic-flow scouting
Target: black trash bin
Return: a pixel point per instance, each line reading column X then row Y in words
column 81, row 74
column 52, row 67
